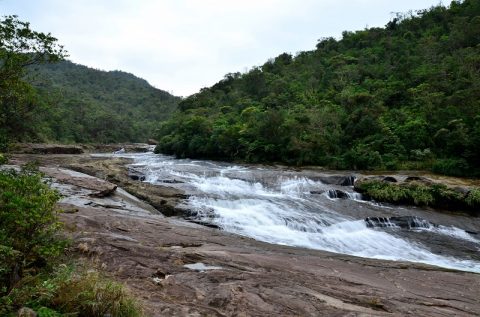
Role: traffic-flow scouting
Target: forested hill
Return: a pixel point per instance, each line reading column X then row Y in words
column 81, row 104
column 403, row 96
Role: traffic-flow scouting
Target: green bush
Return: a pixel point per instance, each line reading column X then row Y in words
column 28, row 226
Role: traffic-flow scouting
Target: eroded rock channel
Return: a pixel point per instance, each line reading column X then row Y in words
column 161, row 258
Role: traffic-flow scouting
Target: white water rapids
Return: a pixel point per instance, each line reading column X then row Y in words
column 285, row 207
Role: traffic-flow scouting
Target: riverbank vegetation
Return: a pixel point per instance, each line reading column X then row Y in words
column 406, row 96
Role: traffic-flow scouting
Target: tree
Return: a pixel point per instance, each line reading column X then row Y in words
column 20, row 47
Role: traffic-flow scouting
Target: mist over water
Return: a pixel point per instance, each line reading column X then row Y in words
column 293, row 208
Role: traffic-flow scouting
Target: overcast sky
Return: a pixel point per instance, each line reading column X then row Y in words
column 184, row 45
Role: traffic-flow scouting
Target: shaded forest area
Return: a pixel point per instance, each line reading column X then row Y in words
column 406, row 96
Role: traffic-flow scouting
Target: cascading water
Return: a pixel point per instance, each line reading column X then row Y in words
column 290, row 208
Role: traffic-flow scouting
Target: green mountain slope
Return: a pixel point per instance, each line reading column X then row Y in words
column 82, row 104
column 403, row 96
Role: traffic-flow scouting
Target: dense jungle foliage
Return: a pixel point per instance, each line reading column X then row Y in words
column 81, row 104
column 403, row 96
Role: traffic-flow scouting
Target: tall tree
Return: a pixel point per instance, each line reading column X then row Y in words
column 20, row 47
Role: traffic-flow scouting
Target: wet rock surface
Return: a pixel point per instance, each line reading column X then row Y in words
column 153, row 255
column 405, row 222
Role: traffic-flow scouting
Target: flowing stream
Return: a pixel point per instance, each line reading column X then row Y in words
column 310, row 209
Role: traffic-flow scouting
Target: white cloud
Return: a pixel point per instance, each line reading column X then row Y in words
column 184, row 45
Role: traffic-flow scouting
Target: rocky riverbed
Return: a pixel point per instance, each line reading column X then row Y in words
column 180, row 268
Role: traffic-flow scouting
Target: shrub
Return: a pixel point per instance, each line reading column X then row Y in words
column 28, row 226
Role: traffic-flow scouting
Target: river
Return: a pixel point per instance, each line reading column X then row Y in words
column 301, row 208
